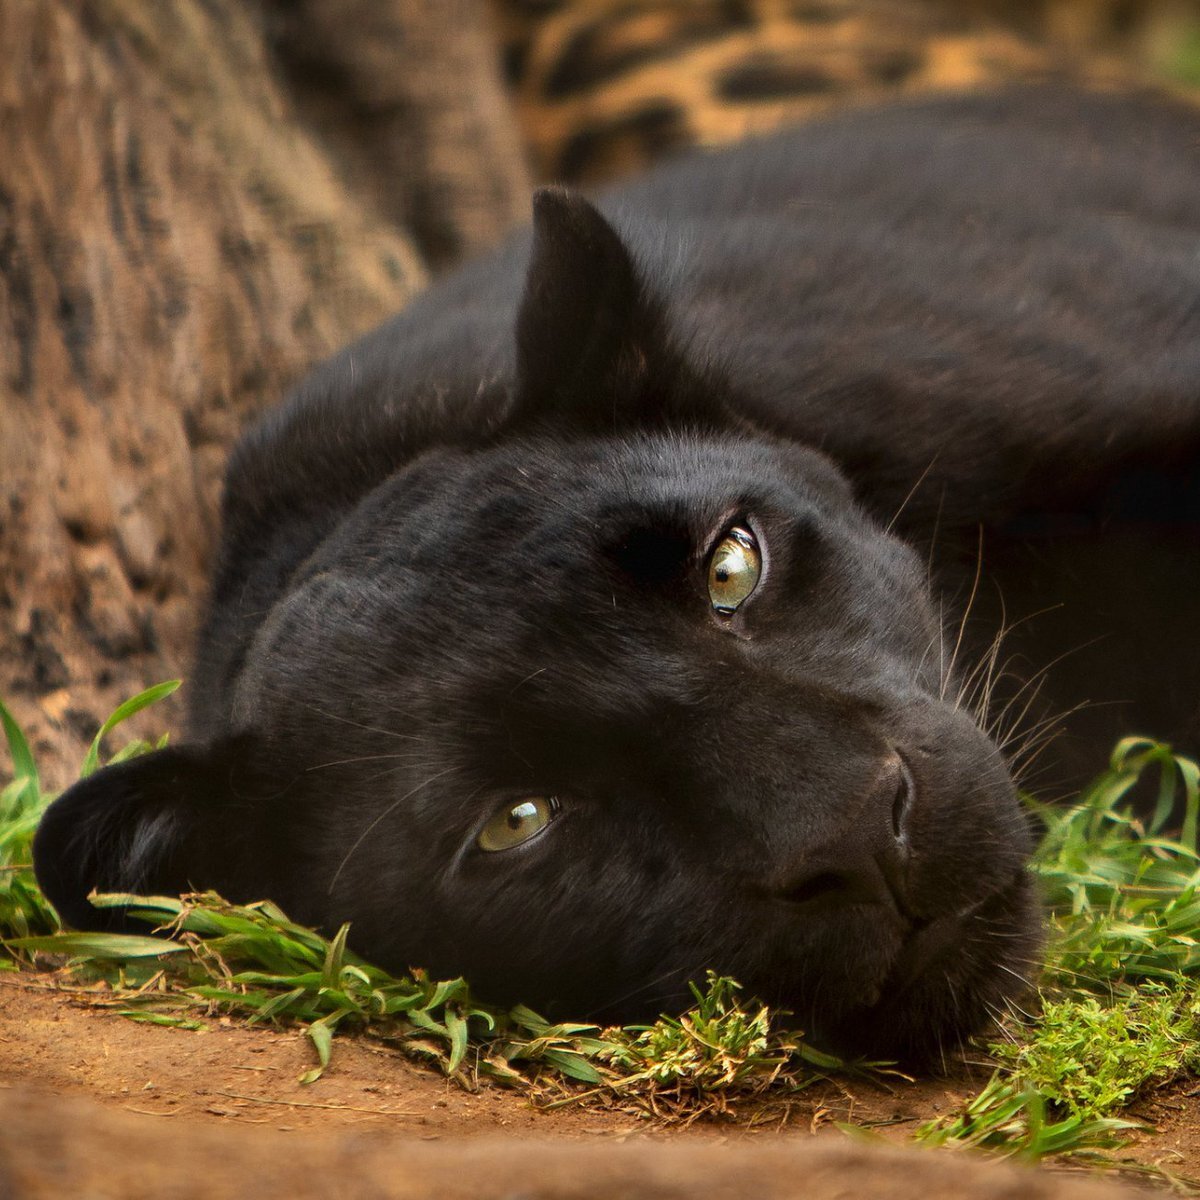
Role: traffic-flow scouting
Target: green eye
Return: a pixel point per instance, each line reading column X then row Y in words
column 733, row 571
column 518, row 822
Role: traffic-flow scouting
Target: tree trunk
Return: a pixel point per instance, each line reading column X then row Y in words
column 176, row 247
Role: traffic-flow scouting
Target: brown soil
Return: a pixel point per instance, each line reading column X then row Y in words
column 64, row 1042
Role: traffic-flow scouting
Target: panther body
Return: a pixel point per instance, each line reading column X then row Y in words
column 595, row 621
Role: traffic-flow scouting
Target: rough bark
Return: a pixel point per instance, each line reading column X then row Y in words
column 408, row 100
column 175, row 248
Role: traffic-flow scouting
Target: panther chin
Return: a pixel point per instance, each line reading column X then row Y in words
column 953, row 977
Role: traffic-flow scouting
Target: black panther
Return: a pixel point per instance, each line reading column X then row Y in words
column 658, row 593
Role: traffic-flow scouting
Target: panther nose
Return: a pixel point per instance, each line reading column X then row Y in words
column 867, row 863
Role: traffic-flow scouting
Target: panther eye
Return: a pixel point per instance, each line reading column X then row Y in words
column 733, row 571
column 518, row 822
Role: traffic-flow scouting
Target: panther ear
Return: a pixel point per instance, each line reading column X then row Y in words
column 129, row 828
column 588, row 336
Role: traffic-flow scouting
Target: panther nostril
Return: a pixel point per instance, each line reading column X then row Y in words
column 902, row 802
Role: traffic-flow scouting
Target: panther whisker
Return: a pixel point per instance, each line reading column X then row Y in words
column 391, row 808
column 342, row 719
column 360, row 758
column 911, row 493
column 683, row 975
column 962, row 625
column 1035, row 681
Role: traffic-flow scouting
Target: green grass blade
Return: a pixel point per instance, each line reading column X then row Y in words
column 106, row 947
column 123, row 712
column 24, row 764
column 320, row 1033
column 153, row 1018
column 574, row 1066
column 1190, row 774
column 457, row 1028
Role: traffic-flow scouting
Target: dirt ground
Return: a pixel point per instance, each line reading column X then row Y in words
column 62, row 1042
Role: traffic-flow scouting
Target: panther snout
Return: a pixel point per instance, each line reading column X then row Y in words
column 867, row 862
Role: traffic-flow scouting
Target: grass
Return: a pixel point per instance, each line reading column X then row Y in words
column 1118, row 1006
column 1118, row 1010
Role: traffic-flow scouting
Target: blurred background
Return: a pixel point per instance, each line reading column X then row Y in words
column 201, row 198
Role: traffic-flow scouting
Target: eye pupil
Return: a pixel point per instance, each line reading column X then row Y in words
column 517, row 823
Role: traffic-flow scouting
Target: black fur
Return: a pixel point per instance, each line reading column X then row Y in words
column 466, row 563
